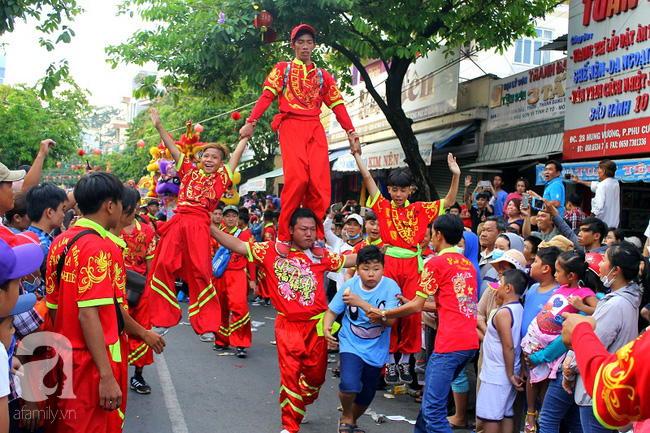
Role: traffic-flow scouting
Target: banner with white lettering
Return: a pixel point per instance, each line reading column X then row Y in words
column 629, row 170
column 531, row 96
column 609, row 49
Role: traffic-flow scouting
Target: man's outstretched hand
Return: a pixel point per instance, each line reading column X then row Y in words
column 355, row 144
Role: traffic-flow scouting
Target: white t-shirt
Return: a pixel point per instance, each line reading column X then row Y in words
column 606, row 203
column 4, row 372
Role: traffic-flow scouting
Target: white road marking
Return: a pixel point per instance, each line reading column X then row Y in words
column 171, row 399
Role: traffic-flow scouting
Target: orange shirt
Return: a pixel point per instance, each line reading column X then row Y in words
column 295, row 282
column 90, row 278
column 199, row 192
column 404, row 227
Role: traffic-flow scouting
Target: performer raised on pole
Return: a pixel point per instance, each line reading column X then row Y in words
column 301, row 89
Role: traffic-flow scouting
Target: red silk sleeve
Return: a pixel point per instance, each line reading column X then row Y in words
column 590, row 354
column 342, row 116
column 262, row 104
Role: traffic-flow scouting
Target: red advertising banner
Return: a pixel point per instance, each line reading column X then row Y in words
column 609, row 139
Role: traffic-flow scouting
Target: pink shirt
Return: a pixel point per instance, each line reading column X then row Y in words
column 550, row 318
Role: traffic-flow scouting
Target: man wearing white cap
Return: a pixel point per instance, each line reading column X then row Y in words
column 353, row 227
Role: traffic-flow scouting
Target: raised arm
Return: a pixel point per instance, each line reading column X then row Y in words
column 167, row 140
column 33, row 176
column 371, row 186
column 236, row 154
column 232, row 243
column 467, row 196
column 453, row 189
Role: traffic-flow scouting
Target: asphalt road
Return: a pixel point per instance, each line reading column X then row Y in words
column 194, row 390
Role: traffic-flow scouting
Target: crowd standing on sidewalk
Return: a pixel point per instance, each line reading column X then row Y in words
column 540, row 302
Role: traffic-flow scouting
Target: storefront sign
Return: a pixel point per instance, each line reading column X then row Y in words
column 379, row 156
column 534, row 95
column 609, row 51
column 425, row 94
column 630, row 170
column 252, row 185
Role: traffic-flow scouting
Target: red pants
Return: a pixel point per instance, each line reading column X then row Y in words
column 305, row 160
column 406, row 333
column 139, row 353
column 235, row 328
column 302, row 356
column 262, row 284
column 83, row 413
column 184, row 251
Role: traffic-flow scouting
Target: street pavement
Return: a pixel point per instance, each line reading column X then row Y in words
column 195, row 390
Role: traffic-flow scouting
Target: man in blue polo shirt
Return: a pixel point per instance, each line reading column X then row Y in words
column 554, row 189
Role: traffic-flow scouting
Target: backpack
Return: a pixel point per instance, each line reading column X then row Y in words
column 286, row 76
column 59, row 269
column 222, row 258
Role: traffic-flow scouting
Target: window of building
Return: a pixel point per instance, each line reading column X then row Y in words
column 527, row 48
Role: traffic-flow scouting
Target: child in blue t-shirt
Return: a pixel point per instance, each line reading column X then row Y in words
column 363, row 346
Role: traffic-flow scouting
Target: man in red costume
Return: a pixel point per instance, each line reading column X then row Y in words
column 301, row 89
column 232, row 288
column 299, row 296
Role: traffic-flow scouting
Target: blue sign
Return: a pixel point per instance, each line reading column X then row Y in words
column 629, row 170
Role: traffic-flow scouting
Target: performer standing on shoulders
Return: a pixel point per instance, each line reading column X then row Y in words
column 301, row 89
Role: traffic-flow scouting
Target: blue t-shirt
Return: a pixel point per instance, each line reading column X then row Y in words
column 357, row 335
column 533, row 304
column 500, row 202
column 554, row 190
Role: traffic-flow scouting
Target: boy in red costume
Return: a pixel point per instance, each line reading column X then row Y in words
column 232, row 288
column 301, row 89
column 299, row 296
column 403, row 226
column 140, row 240
column 184, row 246
column 84, row 303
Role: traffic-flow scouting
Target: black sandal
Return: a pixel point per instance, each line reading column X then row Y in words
column 358, row 429
column 344, row 427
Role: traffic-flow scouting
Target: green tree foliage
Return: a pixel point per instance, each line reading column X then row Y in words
column 27, row 119
column 178, row 107
column 195, row 48
column 51, row 15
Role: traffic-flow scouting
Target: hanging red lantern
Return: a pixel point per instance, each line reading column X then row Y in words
column 263, row 21
column 236, row 115
column 97, row 151
column 58, row 164
column 96, row 167
column 141, row 143
column 198, row 128
column 271, row 36
column 72, row 167
column 81, row 152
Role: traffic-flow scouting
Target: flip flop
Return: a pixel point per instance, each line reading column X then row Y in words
column 459, row 427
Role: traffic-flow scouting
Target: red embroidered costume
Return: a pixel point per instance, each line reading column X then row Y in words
column 299, row 297
column 403, row 229
column 301, row 90
column 184, row 251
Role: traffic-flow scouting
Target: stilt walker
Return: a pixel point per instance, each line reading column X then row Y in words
column 301, row 89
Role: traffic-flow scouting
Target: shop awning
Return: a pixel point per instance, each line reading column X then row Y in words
column 627, row 170
column 258, row 183
column 389, row 153
column 525, row 149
